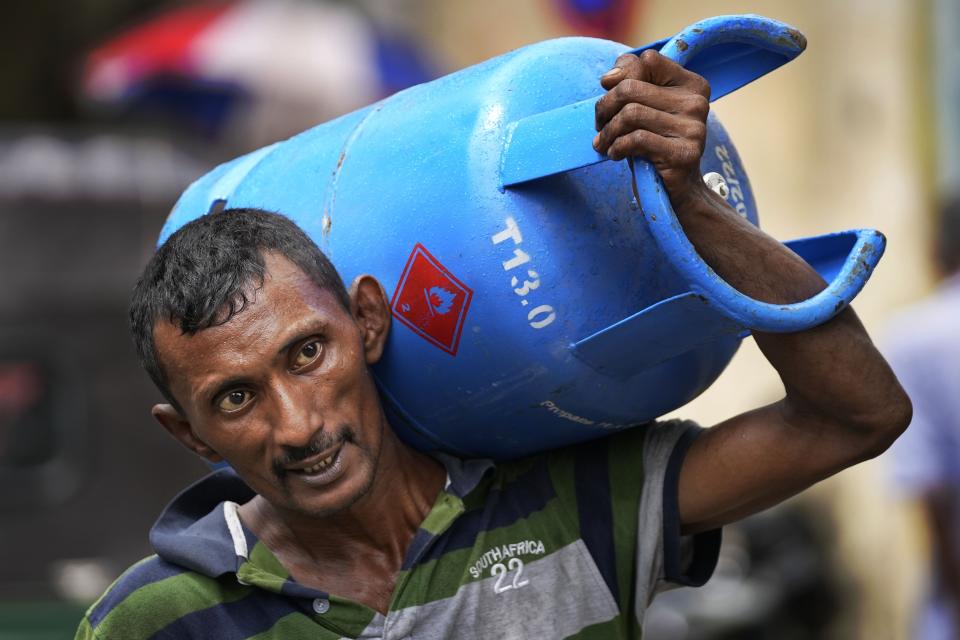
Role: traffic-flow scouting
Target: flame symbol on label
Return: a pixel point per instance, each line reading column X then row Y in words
column 440, row 300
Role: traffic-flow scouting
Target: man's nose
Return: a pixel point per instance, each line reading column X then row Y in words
column 297, row 417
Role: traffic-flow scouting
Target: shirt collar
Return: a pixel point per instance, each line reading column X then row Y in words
column 200, row 530
column 193, row 531
column 463, row 476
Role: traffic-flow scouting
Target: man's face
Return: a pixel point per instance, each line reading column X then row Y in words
column 282, row 392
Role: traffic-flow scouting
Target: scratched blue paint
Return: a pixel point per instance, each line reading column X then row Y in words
column 640, row 325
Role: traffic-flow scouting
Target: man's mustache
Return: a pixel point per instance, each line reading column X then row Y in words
column 318, row 443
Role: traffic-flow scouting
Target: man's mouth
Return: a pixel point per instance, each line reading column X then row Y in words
column 321, row 468
column 322, row 464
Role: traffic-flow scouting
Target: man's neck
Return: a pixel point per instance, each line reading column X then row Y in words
column 377, row 528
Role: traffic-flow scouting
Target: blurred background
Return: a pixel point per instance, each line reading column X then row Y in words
column 110, row 108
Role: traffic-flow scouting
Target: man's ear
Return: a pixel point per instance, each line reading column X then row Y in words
column 180, row 429
column 371, row 311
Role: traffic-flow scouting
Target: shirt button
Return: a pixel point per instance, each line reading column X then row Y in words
column 321, row 605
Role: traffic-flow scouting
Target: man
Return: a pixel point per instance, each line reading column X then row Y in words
column 331, row 527
column 924, row 350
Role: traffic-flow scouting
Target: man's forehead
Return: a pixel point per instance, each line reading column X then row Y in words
column 208, row 351
column 286, row 302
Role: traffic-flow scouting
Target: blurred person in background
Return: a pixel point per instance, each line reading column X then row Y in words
column 924, row 350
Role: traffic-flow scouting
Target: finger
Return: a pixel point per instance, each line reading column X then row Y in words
column 626, row 66
column 661, row 70
column 662, row 152
column 670, row 100
column 651, row 66
column 639, row 116
column 666, row 152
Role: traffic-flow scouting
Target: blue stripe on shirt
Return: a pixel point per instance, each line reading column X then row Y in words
column 235, row 620
column 527, row 494
column 151, row 570
column 595, row 509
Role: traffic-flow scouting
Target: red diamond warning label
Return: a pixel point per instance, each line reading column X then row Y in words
column 431, row 301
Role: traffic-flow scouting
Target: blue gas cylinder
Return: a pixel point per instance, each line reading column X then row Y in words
column 541, row 295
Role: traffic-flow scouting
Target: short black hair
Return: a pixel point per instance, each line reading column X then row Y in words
column 947, row 240
column 202, row 275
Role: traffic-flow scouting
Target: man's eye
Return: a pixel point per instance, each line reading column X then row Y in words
column 235, row 400
column 307, row 354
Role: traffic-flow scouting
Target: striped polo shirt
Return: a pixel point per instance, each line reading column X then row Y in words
column 573, row 543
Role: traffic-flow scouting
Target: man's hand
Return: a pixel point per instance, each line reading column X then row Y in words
column 657, row 110
column 842, row 403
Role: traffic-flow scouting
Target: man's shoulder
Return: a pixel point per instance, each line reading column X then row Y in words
column 148, row 596
column 626, row 442
column 626, row 455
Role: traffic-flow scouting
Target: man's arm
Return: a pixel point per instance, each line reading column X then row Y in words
column 842, row 405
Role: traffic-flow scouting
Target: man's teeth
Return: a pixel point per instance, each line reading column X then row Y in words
column 326, row 462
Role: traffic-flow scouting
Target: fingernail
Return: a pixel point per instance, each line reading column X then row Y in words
column 613, row 73
column 596, row 141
